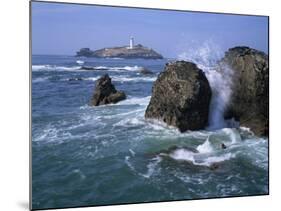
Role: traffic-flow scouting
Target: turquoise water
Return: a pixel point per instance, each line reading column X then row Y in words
column 84, row 155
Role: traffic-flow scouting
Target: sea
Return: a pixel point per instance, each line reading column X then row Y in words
column 110, row 154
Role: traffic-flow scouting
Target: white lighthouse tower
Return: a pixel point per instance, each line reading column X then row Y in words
column 131, row 43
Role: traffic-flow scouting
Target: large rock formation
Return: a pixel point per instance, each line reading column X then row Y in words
column 181, row 96
column 138, row 51
column 250, row 92
column 105, row 92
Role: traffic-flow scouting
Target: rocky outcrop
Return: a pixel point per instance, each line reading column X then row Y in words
column 145, row 71
column 138, row 51
column 181, row 96
column 250, row 92
column 87, row 68
column 105, row 92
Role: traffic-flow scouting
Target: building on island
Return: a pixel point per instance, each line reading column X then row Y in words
column 131, row 46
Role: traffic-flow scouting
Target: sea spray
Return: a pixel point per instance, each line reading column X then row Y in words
column 206, row 57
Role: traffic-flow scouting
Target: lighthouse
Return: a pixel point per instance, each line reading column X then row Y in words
column 131, row 43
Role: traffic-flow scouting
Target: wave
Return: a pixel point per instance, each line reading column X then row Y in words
column 133, row 79
column 80, row 62
column 135, row 101
column 48, row 67
column 198, row 159
column 124, row 68
column 40, row 79
column 206, row 147
column 121, row 79
column 54, row 68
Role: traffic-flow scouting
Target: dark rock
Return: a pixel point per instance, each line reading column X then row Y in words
column 75, row 79
column 223, row 146
column 87, row 68
column 181, row 96
column 250, row 93
column 145, row 71
column 105, row 92
column 214, row 166
column 84, row 52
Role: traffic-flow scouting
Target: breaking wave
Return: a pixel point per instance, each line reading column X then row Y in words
column 207, row 56
column 79, row 68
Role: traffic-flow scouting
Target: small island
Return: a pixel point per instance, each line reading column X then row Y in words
column 127, row 52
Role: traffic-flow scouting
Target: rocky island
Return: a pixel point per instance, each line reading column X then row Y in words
column 127, row 52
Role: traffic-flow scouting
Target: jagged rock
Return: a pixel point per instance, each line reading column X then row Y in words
column 145, row 71
column 250, row 92
column 84, row 52
column 181, row 96
column 105, row 92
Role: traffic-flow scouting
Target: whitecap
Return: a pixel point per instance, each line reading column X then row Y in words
column 206, row 147
column 198, row 159
column 136, row 101
column 133, row 79
column 54, row 68
column 80, row 62
column 118, row 69
column 40, row 79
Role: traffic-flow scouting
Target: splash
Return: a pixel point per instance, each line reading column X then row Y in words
column 206, row 56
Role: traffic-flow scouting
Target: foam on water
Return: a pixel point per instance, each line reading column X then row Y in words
column 206, row 147
column 199, row 160
column 80, row 62
column 48, row 67
column 143, row 101
column 118, row 69
column 54, row 68
column 39, row 79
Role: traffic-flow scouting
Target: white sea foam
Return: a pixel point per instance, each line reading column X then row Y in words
column 198, row 159
column 233, row 134
column 40, row 79
column 118, row 69
column 183, row 154
column 133, row 79
column 54, row 68
column 136, row 101
column 206, row 147
column 80, row 62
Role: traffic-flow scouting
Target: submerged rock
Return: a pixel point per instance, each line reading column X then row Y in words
column 75, row 79
column 105, row 92
column 145, row 71
column 87, row 68
column 181, row 96
column 223, row 146
column 250, row 92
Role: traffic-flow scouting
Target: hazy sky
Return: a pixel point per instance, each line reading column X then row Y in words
column 62, row 29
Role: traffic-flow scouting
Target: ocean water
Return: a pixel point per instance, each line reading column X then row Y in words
column 83, row 155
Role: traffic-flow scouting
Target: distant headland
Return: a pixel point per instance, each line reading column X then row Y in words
column 127, row 52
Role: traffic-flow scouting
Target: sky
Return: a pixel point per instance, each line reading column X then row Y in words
column 62, row 29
